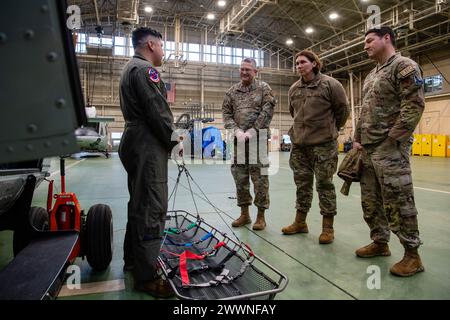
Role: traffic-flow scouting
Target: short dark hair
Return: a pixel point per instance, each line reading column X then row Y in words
column 312, row 57
column 251, row 61
column 140, row 35
column 381, row 32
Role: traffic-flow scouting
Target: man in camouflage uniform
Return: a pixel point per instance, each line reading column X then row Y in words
column 248, row 108
column 393, row 103
column 318, row 104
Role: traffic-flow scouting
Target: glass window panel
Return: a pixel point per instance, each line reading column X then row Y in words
column 94, row 40
column 131, row 51
column 433, row 83
column 106, row 41
column 214, row 49
column 81, row 37
column 238, row 52
column 193, row 56
column 116, row 135
column 227, row 60
column 439, row 84
column 80, row 48
column 227, row 51
column 248, row 53
column 119, row 51
column 194, row 47
column 119, row 41
column 168, row 53
column 170, row 45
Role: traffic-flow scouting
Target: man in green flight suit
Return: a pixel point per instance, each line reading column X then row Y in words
column 144, row 148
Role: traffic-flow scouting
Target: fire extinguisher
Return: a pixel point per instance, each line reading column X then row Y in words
column 65, row 217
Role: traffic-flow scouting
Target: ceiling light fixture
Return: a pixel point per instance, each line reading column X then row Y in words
column 289, row 42
column 221, row 3
column 148, row 9
column 309, row 30
column 333, row 16
column 210, row 16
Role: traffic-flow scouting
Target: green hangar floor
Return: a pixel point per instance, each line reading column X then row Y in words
column 315, row 271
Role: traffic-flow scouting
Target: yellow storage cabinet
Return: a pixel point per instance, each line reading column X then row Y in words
column 448, row 146
column 417, row 145
column 439, row 146
column 426, row 144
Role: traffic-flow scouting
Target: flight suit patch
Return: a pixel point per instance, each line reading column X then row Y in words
column 154, row 75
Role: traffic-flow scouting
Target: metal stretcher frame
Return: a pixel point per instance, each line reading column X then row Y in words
column 256, row 263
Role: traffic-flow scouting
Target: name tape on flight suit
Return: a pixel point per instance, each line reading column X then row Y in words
column 407, row 71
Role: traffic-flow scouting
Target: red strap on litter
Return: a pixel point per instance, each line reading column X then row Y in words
column 251, row 251
column 220, row 244
column 189, row 255
column 183, row 265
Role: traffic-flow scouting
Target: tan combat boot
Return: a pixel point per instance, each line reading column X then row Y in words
column 373, row 249
column 260, row 223
column 409, row 265
column 327, row 235
column 298, row 226
column 243, row 219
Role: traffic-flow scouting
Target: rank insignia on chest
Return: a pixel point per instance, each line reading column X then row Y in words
column 154, row 75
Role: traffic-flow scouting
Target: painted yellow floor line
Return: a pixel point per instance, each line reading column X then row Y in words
column 67, row 168
column 93, row 287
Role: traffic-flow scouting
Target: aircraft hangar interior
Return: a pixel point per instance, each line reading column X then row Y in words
column 232, row 149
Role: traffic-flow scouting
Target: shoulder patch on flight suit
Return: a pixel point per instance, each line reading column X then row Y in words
column 154, row 75
column 407, row 71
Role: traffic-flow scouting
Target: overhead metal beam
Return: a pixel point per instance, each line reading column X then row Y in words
column 96, row 12
column 235, row 19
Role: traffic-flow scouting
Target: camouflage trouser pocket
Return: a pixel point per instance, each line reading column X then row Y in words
column 326, row 159
column 397, row 190
column 397, row 180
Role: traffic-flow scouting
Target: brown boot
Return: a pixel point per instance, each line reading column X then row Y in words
column 327, row 235
column 243, row 219
column 158, row 288
column 260, row 223
column 373, row 249
column 298, row 226
column 409, row 265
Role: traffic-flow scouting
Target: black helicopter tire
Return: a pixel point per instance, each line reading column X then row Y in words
column 99, row 237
